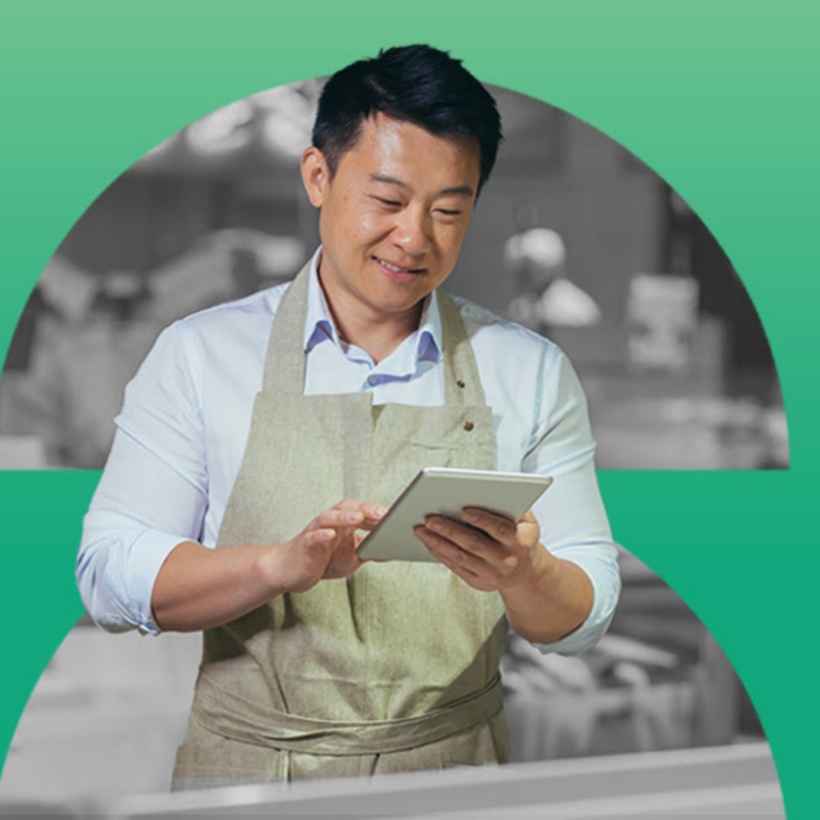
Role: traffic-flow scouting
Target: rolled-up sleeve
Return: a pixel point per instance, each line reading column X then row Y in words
column 571, row 514
column 153, row 493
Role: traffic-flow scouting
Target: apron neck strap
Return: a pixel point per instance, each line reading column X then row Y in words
column 285, row 357
column 461, row 382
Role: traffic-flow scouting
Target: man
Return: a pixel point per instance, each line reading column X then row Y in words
column 547, row 299
column 314, row 663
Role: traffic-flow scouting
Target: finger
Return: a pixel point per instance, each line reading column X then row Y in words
column 338, row 518
column 448, row 552
column 367, row 508
column 462, row 572
column 343, row 562
column 529, row 526
column 368, row 515
column 374, row 512
column 468, row 538
column 313, row 538
column 479, row 581
column 519, row 537
column 489, row 559
column 497, row 527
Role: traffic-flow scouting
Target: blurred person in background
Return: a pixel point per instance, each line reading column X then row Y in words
column 546, row 297
column 90, row 341
column 93, row 332
column 219, row 509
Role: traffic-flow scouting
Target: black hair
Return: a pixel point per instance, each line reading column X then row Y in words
column 416, row 84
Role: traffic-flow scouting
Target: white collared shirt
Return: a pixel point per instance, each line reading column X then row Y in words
column 186, row 416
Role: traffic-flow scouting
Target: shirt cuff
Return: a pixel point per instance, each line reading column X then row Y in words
column 606, row 587
column 144, row 559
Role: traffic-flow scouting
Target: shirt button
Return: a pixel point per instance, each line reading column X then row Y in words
column 372, row 380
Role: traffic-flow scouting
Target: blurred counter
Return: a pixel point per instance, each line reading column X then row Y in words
column 737, row 781
column 654, row 422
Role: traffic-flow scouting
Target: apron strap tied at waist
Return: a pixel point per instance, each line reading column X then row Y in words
column 228, row 715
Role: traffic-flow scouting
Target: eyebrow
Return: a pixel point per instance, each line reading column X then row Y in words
column 460, row 190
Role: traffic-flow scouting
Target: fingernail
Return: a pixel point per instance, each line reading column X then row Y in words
column 353, row 517
column 379, row 511
column 435, row 524
column 469, row 515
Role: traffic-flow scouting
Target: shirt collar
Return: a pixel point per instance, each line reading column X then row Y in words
column 320, row 327
column 319, row 324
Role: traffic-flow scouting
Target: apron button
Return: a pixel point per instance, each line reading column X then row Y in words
column 460, row 383
column 468, row 425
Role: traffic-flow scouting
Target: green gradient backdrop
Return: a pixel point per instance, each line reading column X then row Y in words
column 718, row 98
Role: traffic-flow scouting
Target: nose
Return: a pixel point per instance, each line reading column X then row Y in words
column 412, row 231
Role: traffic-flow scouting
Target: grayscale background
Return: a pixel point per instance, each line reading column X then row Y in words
column 671, row 353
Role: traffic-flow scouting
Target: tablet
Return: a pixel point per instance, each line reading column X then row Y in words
column 447, row 491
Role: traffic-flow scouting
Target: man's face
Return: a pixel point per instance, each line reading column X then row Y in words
column 393, row 217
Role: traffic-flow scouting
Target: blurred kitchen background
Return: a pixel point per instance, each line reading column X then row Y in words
column 573, row 236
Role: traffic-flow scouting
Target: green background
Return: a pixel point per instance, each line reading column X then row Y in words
column 720, row 98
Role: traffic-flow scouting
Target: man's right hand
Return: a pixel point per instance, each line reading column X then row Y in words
column 200, row 588
column 326, row 547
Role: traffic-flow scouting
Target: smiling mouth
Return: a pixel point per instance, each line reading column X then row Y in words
column 397, row 268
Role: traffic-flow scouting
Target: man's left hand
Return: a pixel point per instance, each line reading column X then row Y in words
column 489, row 552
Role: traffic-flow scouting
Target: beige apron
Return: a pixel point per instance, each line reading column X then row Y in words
column 392, row 669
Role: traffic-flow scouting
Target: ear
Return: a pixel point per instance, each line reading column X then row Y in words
column 315, row 176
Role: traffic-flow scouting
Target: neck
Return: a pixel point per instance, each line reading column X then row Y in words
column 379, row 337
column 376, row 333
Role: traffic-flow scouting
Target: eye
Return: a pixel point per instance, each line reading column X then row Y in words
column 447, row 215
column 387, row 203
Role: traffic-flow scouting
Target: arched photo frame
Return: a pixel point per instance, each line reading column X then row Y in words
column 683, row 92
